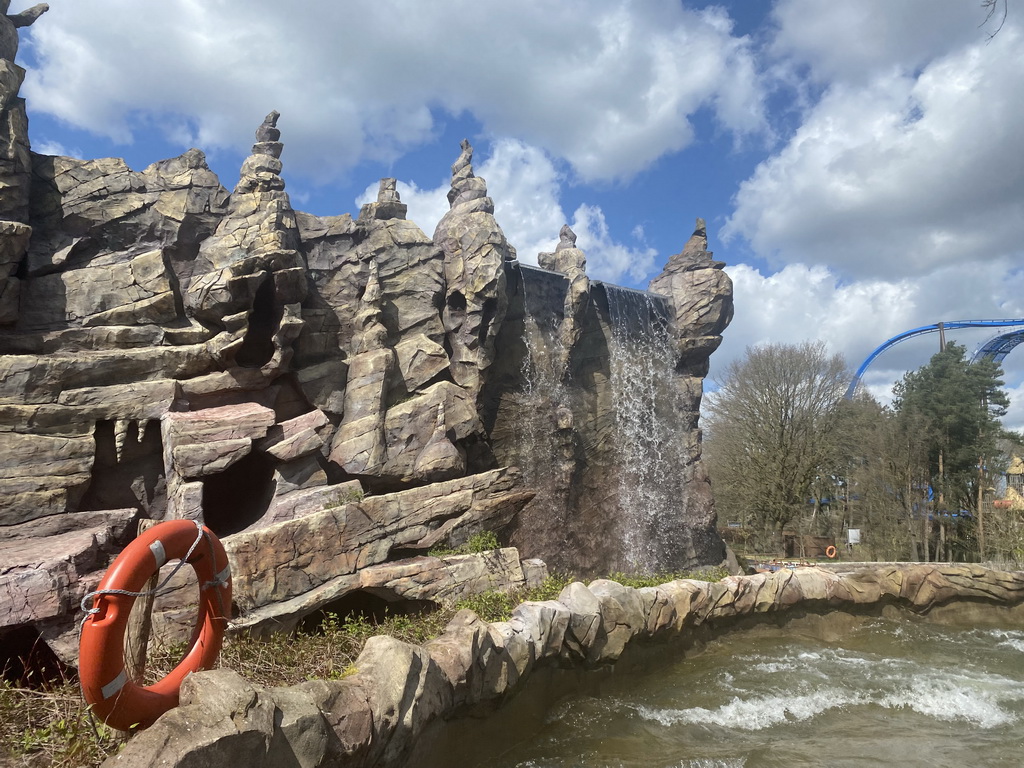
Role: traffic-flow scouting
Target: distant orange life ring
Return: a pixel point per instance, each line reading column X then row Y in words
column 116, row 700
column 830, row 551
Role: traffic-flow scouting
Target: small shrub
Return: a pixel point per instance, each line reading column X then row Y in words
column 552, row 586
column 491, row 606
column 498, row 606
column 484, row 541
column 346, row 496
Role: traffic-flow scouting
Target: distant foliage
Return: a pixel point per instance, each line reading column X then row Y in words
column 956, row 404
column 791, row 459
column 953, row 407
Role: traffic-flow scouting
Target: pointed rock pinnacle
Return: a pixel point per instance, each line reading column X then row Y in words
column 698, row 241
column 566, row 238
column 466, row 186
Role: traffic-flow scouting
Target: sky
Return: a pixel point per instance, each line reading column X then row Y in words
column 858, row 162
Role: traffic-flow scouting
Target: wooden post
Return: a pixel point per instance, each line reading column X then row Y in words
column 981, row 513
column 140, row 623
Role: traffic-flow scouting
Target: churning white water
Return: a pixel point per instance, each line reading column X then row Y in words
column 891, row 693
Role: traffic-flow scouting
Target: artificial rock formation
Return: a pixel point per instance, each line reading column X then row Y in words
column 701, row 295
column 15, row 162
column 170, row 348
column 595, row 396
column 571, row 262
column 475, row 253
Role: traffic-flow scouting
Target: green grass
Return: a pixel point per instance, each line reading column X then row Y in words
column 53, row 728
column 484, row 541
column 639, row 581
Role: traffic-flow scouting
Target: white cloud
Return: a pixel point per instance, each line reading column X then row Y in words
column 1014, row 418
column 608, row 85
column 55, row 148
column 607, row 259
column 902, row 174
column 803, row 302
column 853, row 40
column 525, row 185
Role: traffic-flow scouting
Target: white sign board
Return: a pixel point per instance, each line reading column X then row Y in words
column 853, row 535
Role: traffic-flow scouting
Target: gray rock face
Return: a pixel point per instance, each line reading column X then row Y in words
column 571, row 262
column 475, row 252
column 701, row 296
column 603, row 377
column 15, row 162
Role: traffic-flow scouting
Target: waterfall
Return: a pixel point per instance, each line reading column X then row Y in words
column 649, row 444
column 604, row 443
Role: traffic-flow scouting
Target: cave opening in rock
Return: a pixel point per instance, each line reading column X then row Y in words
column 131, row 475
column 457, row 302
column 258, row 344
column 240, row 495
column 26, row 661
column 374, row 605
column 490, row 309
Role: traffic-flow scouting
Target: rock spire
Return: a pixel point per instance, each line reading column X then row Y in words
column 701, row 296
column 15, row 160
column 475, row 251
column 571, row 262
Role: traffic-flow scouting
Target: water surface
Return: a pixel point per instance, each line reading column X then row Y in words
column 899, row 693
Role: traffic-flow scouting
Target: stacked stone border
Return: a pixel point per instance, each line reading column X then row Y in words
column 401, row 693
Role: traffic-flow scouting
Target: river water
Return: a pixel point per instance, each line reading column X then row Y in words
column 891, row 692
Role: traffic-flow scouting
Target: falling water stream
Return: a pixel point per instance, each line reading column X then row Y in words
column 647, row 430
column 896, row 693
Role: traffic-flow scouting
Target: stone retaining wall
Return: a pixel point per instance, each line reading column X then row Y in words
column 377, row 716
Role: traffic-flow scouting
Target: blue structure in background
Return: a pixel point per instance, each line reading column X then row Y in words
column 994, row 349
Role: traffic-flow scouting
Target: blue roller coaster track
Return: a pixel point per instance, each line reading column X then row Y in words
column 996, row 348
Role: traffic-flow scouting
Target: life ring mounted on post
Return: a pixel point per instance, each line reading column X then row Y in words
column 122, row 703
column 830, row 551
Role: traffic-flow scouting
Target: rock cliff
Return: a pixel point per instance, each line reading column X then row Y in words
column 172, row 349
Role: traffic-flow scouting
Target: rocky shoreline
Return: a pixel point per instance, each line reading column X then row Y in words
column 396, row 708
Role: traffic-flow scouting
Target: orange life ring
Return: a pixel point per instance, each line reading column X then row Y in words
column 115, row 699
column 830, row 551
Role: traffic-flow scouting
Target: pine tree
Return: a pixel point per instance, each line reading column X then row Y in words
column 957, row 406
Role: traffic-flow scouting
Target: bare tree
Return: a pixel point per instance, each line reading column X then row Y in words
column 992, row 9
column 770, row 433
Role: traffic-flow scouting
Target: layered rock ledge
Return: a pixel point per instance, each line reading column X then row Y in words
column 402, row 695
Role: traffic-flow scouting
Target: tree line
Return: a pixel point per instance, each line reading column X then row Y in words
column 789, row 454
